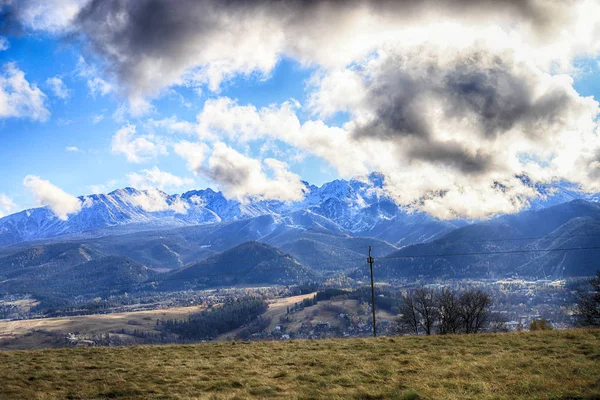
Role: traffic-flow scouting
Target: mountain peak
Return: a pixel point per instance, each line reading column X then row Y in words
column 124, row 191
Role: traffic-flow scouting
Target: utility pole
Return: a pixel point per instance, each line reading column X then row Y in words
column 370, row 260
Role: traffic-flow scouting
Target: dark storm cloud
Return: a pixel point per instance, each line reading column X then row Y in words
column 498, row 98
column 399, row 100
column 165, row 38
column 495, row 95
column 228, row 174
column 453, row 155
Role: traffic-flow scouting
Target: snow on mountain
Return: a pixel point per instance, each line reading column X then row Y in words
column 358, row 207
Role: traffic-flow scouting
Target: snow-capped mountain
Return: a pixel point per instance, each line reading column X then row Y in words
column 357, row 207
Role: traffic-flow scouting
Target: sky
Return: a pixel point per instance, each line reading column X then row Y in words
column 455, row 102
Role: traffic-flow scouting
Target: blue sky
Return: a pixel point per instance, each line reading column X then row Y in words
column 40, row 148
column 251, row 98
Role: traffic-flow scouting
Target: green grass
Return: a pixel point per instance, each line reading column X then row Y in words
column 544, row 365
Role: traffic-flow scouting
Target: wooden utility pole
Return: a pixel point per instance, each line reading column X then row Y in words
column 370, row 260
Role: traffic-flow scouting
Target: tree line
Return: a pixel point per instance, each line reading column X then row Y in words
column 588, row 304
column 426, row 311
column 209, row 324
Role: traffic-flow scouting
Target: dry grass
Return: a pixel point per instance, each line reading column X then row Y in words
column 548, row 365
column 95, row 323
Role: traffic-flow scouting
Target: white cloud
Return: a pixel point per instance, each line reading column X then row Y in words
column 456, row 123
column 6, row 205
column 136, row 149
column 97, row 118
column 193, row 153
column 242, row 177
column 458, row 168
column 72, row 149
column 153, row 200
column 54, row 16
column 223, row 117
column 58, row 87
column 61, row 203
column 250, row 37
column 339, row 90
column 4, row 43
column 96, row 85
column 99, row 86
column 155, row 178
column 451, row 100
column 173, row 125
column 19, row 98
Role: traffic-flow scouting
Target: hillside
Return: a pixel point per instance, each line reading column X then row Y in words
column 526, row 245
column 555, row 364
column 102, row 276
column 248, row 263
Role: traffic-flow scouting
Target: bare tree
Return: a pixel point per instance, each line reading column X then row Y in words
column 409, row 318
column 448, row 312
column 497, row 322
column 425, row 303
column 588, row 305
column 474, row 310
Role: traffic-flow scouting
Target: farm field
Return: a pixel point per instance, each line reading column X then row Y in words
column 525, row 365
column 25, row 333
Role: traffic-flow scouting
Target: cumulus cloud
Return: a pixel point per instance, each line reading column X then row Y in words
column 462, row 104
column 153, row 200
column 193, row 153
column 155, row 178
column 242, row 177
column 225, row 118
column 54, row 16
column 137, row 149
column 459, row 161
column 58, row 87
column 61, row 203
column 72, row 149
column 149, row 45
column 460, row 121
column 19, row 98
column 6, row 205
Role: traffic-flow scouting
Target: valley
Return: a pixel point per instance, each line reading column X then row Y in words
column 130, row 282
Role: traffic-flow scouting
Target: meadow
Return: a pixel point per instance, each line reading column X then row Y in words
column 524, row 365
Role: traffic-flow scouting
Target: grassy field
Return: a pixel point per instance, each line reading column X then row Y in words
column 544, row 365
column 318, row 312
column 18, row 334
column 33, row 333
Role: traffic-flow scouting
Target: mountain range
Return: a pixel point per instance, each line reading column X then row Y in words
column 116, row 240
column 356, row 207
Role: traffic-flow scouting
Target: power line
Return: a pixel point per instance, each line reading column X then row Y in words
column 512, row 239
column 489, row 253
column 254, row 269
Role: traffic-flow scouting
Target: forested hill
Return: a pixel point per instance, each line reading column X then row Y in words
column 249, row 263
